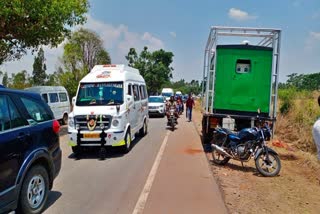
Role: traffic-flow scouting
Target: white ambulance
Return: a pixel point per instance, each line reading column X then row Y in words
column 110, row 107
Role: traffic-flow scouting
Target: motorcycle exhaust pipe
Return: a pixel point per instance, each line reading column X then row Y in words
column 221, row 150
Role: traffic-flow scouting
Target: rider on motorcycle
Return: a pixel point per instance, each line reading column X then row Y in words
column 171, row 103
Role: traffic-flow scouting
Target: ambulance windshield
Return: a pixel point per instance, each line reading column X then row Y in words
column 98, row 94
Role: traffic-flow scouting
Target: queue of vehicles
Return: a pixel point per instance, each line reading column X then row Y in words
column 112, row 106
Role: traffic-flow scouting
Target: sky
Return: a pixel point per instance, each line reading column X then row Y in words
column 182, row 27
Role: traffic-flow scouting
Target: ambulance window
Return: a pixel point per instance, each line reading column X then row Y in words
column 129, row 89
column 145, row 91
column 243, row 66
column 136, row 92
column 142, row 92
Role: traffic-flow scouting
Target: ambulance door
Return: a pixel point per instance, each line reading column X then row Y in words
column 132, row 110
column 137, row 106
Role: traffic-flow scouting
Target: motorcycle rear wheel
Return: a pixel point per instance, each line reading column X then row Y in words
column 218, row 158
column 268, row 168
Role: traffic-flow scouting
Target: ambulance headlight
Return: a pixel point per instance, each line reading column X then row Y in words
column 71, row 122
column 115, row 123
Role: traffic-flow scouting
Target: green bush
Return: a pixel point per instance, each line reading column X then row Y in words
column 287, row 97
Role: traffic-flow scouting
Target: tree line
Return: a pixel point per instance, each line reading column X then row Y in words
column 30, row 25
column 309, row 82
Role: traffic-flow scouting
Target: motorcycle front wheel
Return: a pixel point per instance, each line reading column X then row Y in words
column 218, row 158
column 268, row 167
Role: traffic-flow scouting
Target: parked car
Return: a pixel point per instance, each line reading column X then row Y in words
column 157, row 105
column 30, row 154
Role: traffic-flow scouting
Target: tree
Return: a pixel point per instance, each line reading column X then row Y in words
column 20, row 80
column 29, row 24
column 5, row 79
column 82, row 51
column 154, row 67
column 39, row 69
column 303, row 81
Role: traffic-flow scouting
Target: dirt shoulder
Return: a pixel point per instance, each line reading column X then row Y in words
column 295, row 190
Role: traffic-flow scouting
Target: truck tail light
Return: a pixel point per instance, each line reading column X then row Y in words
column 56, row 126
column 214, row 122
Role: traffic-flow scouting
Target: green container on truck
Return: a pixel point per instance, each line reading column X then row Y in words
column 240, row 80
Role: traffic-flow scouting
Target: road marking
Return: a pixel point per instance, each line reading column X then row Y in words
column 147, row 187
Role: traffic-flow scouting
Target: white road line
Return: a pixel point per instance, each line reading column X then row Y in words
column 147, row 187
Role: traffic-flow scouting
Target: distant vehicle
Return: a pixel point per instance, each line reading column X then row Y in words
column 30, row 154
column 111, row 106
column 185, row 97
column 157, row 105
column 57, row 98
column 178, row 93
column 167, row 93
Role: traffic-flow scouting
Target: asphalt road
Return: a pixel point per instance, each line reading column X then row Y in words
column 113, row 185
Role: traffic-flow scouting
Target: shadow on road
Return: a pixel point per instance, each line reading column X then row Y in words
column 94, row 152
column 53, row 196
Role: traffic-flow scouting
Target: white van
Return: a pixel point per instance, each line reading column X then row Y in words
column 57, row 98
column 167, row 93
column 179, row 93
column 110, row 107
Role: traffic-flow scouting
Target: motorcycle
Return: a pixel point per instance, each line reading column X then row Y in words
column 172, row 120
column 244, row 145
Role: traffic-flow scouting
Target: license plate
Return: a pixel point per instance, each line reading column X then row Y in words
column 91, row 135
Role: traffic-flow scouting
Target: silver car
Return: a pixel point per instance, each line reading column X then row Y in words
column 157, row 105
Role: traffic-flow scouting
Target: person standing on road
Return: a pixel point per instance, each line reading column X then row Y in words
column 316, row 132
column 189, row 106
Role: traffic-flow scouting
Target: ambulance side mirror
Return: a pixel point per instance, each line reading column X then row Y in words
column 73, row 101
column 129, row 98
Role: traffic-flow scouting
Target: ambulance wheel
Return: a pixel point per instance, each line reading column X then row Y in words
column 76, row 150
column 144, row 129
column 127, row 139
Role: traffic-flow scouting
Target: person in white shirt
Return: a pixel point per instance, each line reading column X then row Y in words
column 316, row 133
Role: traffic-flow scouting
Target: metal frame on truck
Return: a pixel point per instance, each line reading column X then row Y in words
column 264, row 37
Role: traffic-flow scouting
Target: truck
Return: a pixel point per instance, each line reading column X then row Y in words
column 240, row 78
